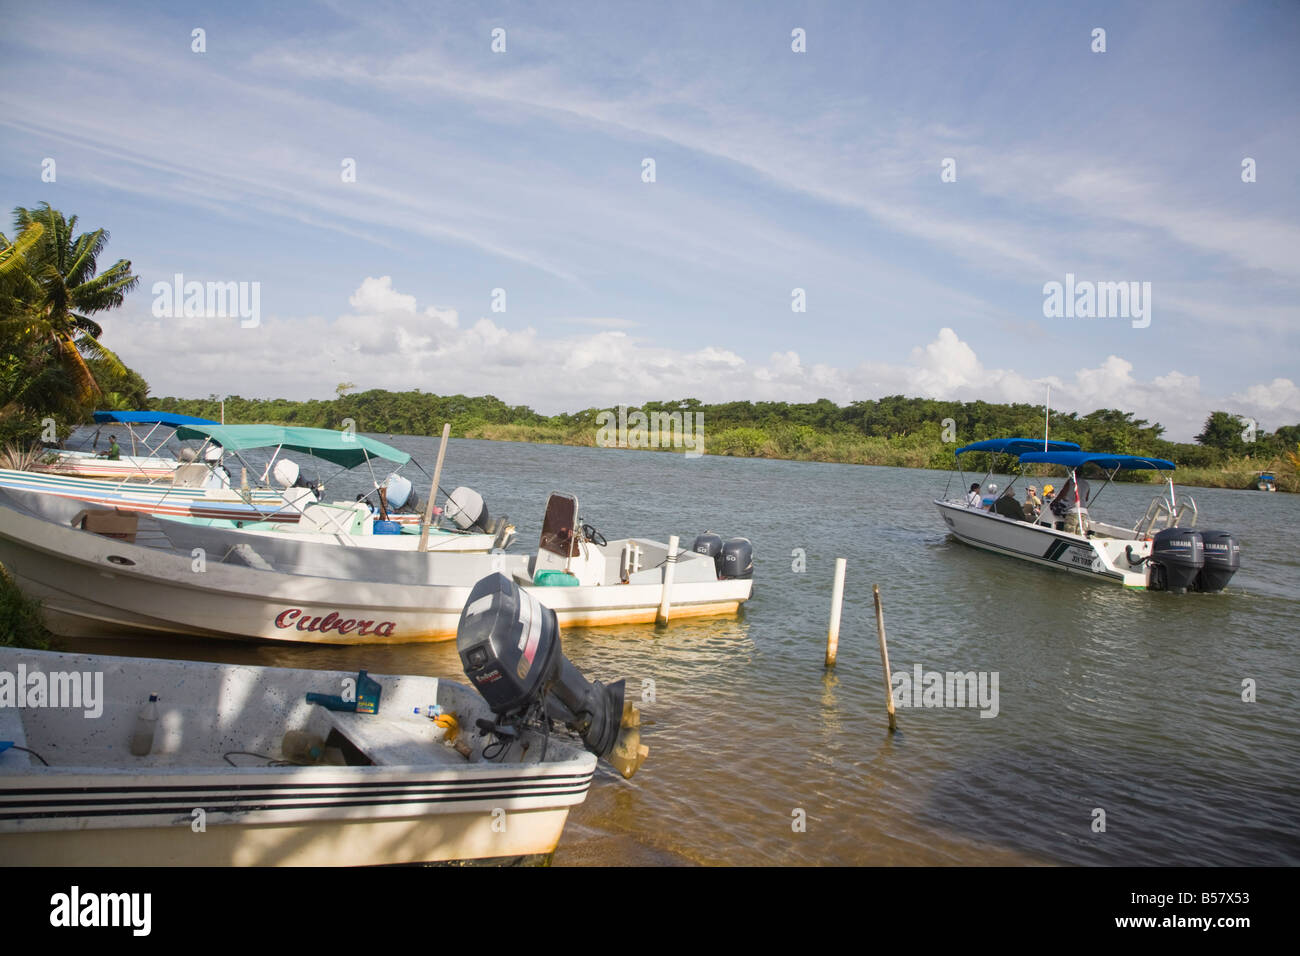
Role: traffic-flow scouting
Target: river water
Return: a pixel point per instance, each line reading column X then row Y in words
column 1127, row 704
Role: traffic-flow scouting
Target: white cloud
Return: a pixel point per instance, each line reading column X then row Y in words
column 387, row 341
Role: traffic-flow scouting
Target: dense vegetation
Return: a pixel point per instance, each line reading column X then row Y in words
column 20, row 617
column 53, row 365
column 895, row 430
column 54, row 371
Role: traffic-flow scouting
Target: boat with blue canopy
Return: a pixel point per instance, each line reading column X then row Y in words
column 147, row 459
column 1162, row 551
column 275, row 504
column 169, row 419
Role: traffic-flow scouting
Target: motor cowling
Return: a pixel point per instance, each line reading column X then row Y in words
column 509, row 646
column 398, row 490
column 1222, row 559
column 1177, row 557
column 467, row 509
column 737, row 559
column 710, row 545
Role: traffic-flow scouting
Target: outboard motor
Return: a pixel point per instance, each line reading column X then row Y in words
column 509, row 645
column 710, row 544
column 1177, row 557
column 399, row 491
column 1222, row 559
column 737, row 559
column 467, row 509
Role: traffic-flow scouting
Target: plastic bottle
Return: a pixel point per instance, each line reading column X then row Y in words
column 431, row 711
column 146, row 725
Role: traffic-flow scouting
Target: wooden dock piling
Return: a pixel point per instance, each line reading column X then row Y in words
column 670, row 565
column 433, row 492
column 884, row 658
column 837, row 600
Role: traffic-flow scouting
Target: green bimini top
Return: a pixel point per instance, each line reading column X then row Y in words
column 347, row 449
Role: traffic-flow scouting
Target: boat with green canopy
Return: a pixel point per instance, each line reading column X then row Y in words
column 201, row 492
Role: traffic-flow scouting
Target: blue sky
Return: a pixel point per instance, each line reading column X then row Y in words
column 775, row 170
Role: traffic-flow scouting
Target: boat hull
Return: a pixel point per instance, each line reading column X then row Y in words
column 90, row 465
column 94, row 586
column 154, row 499
column 183, row 804
column 1098, row 558
column 465, row 833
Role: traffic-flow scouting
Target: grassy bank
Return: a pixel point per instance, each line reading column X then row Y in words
column 894, row 430
column 800, row 443
column 20, row 617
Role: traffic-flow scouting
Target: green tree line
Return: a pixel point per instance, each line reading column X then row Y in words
column 916, row 428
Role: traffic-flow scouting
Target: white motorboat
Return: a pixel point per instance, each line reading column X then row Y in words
column 92, row 584
column 240, row 767
column 199, row 492
column 146, row 461
column 293, row 546
column 1162, row 550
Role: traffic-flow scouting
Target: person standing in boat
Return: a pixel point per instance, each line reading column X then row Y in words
column 1033, row 504
column 973, row 496
column 114, row 452
column 1071, row 505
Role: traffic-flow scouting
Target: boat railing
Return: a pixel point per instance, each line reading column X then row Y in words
column 1156, row 518
column 1161, row 515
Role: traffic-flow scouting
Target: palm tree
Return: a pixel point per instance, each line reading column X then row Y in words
column 49, row 288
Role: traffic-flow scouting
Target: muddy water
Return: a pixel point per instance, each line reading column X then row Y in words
column 1127, row 703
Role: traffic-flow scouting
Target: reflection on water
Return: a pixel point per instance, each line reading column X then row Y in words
column 1125, row 701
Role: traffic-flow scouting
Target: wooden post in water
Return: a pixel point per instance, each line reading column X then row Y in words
column 884, row 658
column 665, row 603
column 433, row 492
column 837, row 600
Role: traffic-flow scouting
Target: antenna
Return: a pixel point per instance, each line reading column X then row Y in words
column 1046, row 413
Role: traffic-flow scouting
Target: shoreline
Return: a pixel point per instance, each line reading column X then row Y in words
column 890, row 456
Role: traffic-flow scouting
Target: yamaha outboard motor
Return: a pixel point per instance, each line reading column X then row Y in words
column 1222, row 559
column 737, row 559
column 710, row 544
column 467, row 509
column 1177, row 557
column 509, row 645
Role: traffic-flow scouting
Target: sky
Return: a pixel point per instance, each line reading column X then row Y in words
column 921, row 171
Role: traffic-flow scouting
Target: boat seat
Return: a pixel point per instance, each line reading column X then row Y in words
column 1008, row 507
column 192, row 475
column 401, row 741
column 333, row 519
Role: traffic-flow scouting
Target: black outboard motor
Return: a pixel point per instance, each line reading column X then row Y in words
column 710, row 544
column 1222, row 559
column 737, row 559
column 1177, row 557
column 509, row 645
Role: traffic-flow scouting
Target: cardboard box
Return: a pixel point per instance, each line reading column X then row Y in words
column 120, row 525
